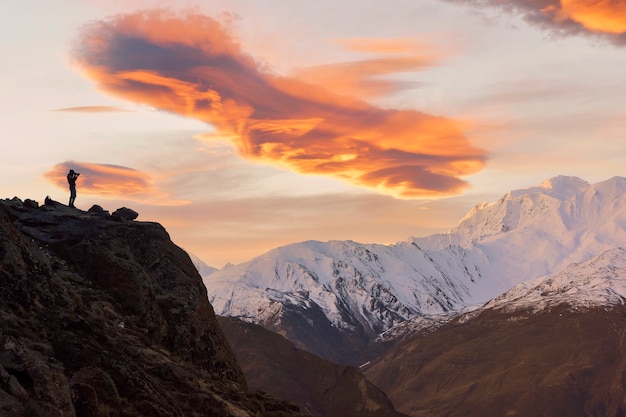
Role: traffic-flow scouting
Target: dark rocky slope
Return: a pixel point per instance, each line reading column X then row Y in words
column 555, row 363
column 104, row 316
column 324, row 389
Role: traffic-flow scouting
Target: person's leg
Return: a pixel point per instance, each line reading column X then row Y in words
column 72, row 196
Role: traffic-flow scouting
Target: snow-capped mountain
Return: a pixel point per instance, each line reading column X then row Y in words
column 598, row 282
column 368, row 289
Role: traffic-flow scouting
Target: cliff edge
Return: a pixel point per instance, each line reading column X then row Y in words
column 101, row 315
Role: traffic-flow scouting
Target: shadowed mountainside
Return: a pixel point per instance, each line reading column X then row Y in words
column 324, row 389
column 558, row 362
column 104, row 316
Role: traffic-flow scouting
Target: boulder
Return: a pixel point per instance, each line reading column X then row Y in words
column 97, row 210
column 28, row 203
column 124, row 214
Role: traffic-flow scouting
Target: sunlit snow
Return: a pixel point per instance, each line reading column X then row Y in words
column 525, row 235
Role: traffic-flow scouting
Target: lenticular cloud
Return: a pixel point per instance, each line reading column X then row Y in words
column 189, row 64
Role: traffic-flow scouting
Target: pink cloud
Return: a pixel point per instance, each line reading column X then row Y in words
column 110, row 181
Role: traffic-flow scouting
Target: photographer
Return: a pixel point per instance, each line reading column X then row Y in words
column 71, row 179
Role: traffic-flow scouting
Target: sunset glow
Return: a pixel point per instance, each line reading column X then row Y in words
column 596, row 15
column 202, row 73
column 593, row 17
column 242, row 125
column 109, row 181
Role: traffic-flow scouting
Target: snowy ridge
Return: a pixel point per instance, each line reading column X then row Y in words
column 422, row 323
column 341, row 277
column 519, row 209
column 526, row 234
column 598, row 282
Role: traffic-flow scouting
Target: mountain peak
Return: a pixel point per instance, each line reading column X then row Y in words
column 564, row 186
column 560, row 187
column 519, row 207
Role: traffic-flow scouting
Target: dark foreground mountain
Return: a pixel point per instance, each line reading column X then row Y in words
column 324, row 389
column 555, row 363
column 104, row 316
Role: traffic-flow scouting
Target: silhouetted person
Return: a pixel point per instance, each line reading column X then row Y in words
column 71, row 179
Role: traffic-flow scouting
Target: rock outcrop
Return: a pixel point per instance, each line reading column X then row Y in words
column 100, row 317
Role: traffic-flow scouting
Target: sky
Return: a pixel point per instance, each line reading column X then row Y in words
column 244, row 125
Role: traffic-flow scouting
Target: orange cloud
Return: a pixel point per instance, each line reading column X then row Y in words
column 191, row 65
column 605, row 18
column 362, row 78
column 388, row 46
column 359, row 77
column 110, row 181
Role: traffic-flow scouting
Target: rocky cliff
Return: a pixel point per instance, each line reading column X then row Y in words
column 101, row 315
